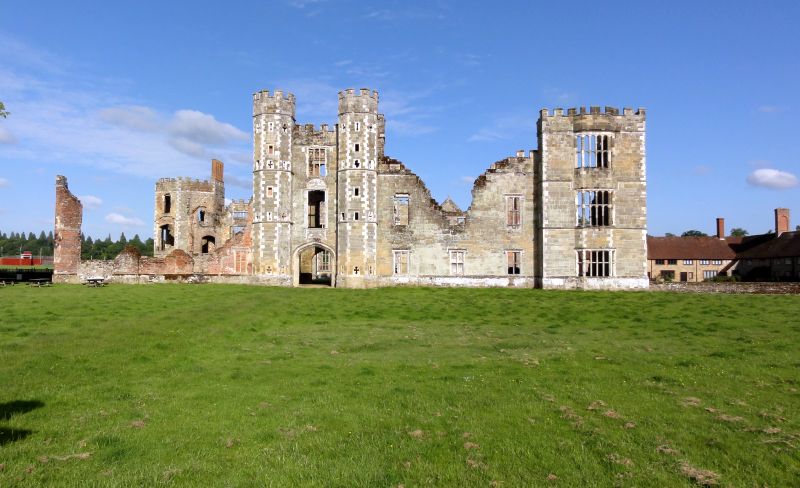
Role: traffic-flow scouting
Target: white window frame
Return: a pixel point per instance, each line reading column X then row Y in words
column 457, row 260
column 397, row 202
column 688, row 261
column 317, row 168
column 397, row 255
column 508, row 254
column 594, row 202
column 510, row 223
column 595, row 263
column 593, row 149
column 709, row 274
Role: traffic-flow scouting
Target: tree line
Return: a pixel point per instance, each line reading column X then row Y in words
column 14, row 243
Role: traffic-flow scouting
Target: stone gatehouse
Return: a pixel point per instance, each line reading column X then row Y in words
column 329, row 207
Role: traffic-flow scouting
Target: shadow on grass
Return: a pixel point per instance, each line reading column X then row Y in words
column 11, row 435
column 8, row 410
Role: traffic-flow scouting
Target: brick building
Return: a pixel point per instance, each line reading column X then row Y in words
column 771, row 256
column 329, row 206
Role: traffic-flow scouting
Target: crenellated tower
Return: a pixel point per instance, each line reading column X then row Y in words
column 273, row 123
column 360, row 145
column 591, row 199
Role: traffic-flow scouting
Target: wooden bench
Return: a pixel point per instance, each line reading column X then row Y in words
column 95, row 282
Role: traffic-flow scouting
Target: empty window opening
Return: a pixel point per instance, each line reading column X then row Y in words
column 239, row 215
column 358, row 127
column 356, row 163
column 207, row 244
column 236, row 229
column 355, row 192
column 355, row 270
column 201, row 215
column 314, row 266
column 269, row 192
column 167, row 204
column 270, row 149
column 595, row 263
column 594, row 208
column 457, row 263
column 344, row 217
column 316, row 207
column 592, row 150
column 316, row 162
column 357, row 147
column 355, row 215
column 166, row 239
column 400, row 262
column 513, row 211
column 513, row 260
column 401, row 203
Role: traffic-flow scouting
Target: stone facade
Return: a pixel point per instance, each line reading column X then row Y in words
column 329, row 206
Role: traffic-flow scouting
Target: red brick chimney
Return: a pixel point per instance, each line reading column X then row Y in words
column 216, row 170
column 720, row 228
column 781, row 220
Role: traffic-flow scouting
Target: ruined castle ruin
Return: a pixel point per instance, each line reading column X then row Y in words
column 329, row 207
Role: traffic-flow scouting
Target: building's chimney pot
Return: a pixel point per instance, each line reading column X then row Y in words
column 720, row 228
column 781, row 221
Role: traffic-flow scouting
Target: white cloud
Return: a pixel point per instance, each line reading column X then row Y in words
column 239, row 182
column 302, row 3
column 90, row 202
column 772, row 178
column 133, row 117
column 204, row 128
column 4, row 182
column 6, row 137
column 771, row 109
column 467, row 180
column 504, row 128
column 115, row 218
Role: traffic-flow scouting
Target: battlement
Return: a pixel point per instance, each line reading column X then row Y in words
column 239, row 203
column 593, row 110
column 311, row 129
column 361, row 101
column 276, row 103
column 185, row 184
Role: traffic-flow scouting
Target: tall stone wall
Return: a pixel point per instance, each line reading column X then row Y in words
column 67, row 234
column 564, row 173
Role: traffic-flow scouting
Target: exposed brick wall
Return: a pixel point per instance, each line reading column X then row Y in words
column 69, row 216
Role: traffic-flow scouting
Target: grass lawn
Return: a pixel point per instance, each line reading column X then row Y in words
column 208, row 385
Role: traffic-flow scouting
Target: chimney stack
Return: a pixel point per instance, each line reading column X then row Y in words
column 216, row 170
column 781, row 221
column 720, row 228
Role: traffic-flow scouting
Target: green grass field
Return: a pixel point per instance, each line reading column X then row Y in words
column 203, row 385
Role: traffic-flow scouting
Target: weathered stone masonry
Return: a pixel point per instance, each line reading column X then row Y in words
column 329, row 206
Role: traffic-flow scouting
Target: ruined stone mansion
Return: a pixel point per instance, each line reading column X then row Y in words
column 329, row 207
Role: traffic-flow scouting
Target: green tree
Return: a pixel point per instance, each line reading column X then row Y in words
column 694, row 233
column 669, row 234
column 738, row 232
column 3, row 112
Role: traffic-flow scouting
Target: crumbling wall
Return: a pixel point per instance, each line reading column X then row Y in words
column 67, row 235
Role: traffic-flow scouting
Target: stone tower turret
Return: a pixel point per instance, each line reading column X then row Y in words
column 591, row 199
column 273, row 123
column 360, row 146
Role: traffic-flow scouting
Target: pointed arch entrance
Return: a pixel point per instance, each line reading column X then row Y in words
column 314, row 264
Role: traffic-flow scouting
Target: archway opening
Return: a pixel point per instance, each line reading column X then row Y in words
column 207, row 244
column 315, row 266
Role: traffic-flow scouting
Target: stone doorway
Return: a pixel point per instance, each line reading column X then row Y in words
column 314, row 266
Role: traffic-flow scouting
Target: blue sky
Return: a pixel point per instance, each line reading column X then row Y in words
column 115, row 95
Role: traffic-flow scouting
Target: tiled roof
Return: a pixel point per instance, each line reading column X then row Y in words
column 688, row 248
column 787, row 245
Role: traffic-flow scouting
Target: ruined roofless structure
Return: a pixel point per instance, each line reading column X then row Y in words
column 329, row 207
